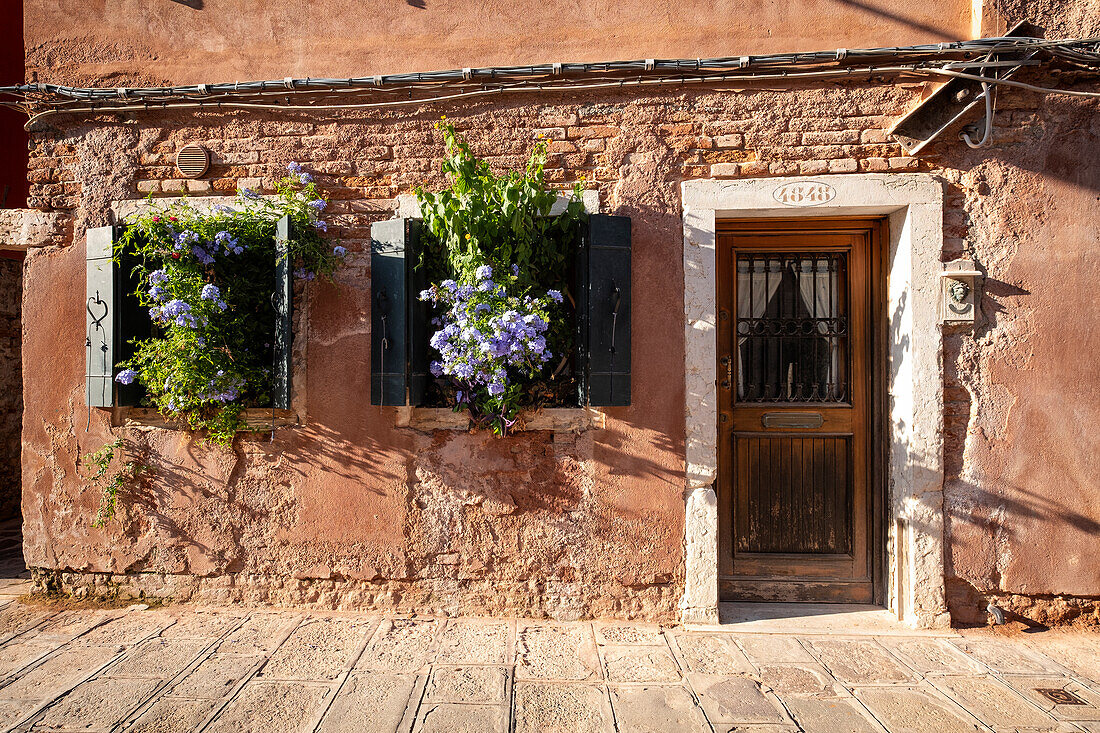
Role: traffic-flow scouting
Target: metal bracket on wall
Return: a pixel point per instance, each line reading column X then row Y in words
column 956, row 99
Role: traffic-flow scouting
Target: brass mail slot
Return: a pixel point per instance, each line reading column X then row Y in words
column 803, row 420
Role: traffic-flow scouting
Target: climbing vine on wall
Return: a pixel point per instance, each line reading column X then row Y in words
column 501, row 266
column 207, row 278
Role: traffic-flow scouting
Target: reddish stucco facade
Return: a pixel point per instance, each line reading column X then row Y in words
column 347, row 509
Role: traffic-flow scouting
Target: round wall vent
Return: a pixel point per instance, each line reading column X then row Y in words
column 192, row 160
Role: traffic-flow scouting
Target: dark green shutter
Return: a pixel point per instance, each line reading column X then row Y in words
column 420, row 314
column 389, row 311
column 101, row 342
column 284, row 327
column 603, row 312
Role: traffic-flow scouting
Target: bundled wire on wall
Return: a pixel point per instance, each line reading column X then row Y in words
column 964, row 59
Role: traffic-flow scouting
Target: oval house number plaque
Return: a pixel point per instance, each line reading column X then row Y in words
column 809, row 193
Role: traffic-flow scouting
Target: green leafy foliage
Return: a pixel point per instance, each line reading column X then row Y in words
column 111, row 481
column 207, row 278
column 502, row 222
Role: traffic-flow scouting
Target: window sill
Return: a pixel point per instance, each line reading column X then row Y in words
column 256, row 419
column 555, row 419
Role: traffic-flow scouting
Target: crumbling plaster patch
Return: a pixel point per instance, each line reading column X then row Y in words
column 913, row 205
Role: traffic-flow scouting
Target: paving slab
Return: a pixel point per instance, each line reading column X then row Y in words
column 319, row 649
column 16, row 618
column 640, row 664
column 556, row 652
column 653, row 709
column 14, row 655
column 830, row 715
column 158, row 658
column 467, row 684
column 1005, row 656
column 200, row 624
column 914, row 710
column 736, row 700
column 12, row 711
column 169, row 715
column 1077, row 651
column 126, row 630
column 215, row 676
column 931, row 656
column 561, row 707
column 1029, row 686
column 68, row 625
column 447, row 718
column 401, row 645
column 271, row 707
column 810, row 619
column 859, row 661
column 994, row 703
column 474, row 642
column 261, row 633
column 57, row 673
column 97, row 703
column 369, row 701
column 620, row 634
column 711, row 654
column 801, row 679
column 765, row 649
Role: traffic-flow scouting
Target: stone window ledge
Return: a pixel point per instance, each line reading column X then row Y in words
column 256, row 419
column 556, row 419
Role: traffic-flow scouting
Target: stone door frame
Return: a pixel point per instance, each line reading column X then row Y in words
column 913, row 207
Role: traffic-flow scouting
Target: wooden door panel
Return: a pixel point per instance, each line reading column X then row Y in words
column 794, row 343
column 795, row 494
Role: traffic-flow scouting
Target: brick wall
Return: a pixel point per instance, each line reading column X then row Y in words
column 441, row 517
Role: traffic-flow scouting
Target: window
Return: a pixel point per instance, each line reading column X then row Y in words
column 115, row 318
column 401, row 327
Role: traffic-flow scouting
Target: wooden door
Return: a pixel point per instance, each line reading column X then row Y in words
column 795, row 405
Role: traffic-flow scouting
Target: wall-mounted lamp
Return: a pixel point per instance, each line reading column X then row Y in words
column 959, row 292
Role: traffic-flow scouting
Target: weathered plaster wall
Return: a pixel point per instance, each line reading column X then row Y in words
column 1023, row 492
column 129, row 42
column 11, row 393
column 347, row 509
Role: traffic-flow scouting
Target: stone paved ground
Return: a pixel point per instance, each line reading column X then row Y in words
column 220, row 670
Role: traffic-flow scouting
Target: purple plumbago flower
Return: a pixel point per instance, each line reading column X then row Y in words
column 303, row 274
column 228, row 242
column 340, row 251
column 515, row 270
column 486, row 339
column 294, row 168
column 158, row 293
column 202, row 255
column 248, row 193
column 126, row 376
column 318, row 205
column 320, row 226
column 555, row 295
column 211, row 292
column 305, row 178
column 184, row 239
column 158, row 276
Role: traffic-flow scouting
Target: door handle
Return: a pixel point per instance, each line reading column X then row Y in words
column 798, row 420
column 727, row 362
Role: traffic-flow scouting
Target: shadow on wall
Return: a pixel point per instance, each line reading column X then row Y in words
column 895, row 17
column 198, row 503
